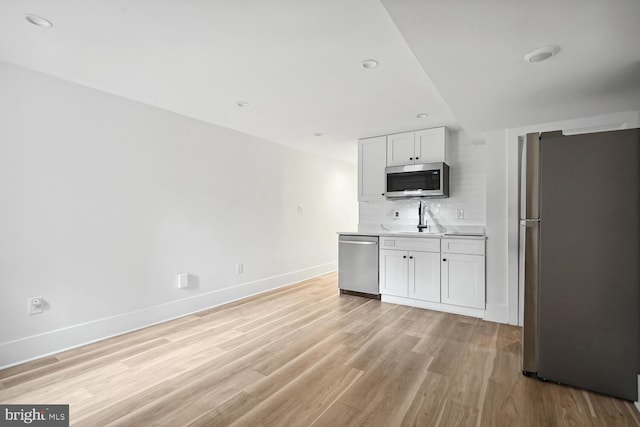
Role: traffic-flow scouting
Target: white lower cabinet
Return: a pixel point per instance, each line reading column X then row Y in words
column 447, row 271
column 424, row 276
column 463, row 280
column 411, row 269
column 410, row 274
column 394, row 272
column 463, row 272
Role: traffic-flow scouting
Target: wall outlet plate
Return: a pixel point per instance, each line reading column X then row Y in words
column 35, row 305
column 239, row 268
column 460, row 214
column 183, row 280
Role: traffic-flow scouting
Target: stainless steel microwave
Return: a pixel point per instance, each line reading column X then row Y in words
column 420, row 180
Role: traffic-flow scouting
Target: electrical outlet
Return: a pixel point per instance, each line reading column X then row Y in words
column 36, row 305
column 396, row 214
column 183, row 280
column 460, row 214
column 239, row 268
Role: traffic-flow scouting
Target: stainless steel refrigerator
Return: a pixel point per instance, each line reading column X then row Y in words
column 580, row 251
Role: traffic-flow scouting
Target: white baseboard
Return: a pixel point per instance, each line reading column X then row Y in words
column 498, row 313
column 36, row 346
column 465, row 311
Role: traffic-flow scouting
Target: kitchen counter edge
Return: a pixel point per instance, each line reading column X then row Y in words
column 412, row 235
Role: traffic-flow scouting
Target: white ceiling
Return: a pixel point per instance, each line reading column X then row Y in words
column 297, row 62
column 473, row 52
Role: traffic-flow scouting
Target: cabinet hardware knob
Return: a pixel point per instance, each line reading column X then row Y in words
column 417, row 158
column 404, row 256
column 410, row 257
column 444, row 259
column 410, row 158
column 382, row 194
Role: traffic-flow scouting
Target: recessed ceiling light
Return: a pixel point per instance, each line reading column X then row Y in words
column 318, row 134
column 422, row 115
column 369, row 64
column 39, row 21
column 541, row 54
column 242, row 104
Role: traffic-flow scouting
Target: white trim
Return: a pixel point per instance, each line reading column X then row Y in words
column 447, row 308
column 36, row 346
column 513, row 232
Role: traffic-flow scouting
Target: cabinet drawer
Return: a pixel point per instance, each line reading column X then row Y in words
column 410, row 244
column 463, row 246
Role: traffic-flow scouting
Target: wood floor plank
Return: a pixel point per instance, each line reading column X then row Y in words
column 456, row 414
column 26, row 393
column 337, row 414
column 306, row 355
column 56, row 372
column 162, row 398
column 297, row 366
column 429, row 402
column 227, row 412
column 25, row 367
column 304, row 398
column 384, row 393
column 185, row 405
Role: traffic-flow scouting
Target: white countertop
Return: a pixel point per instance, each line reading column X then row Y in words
column 466, row 232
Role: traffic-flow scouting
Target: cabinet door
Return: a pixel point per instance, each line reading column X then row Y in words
column 430, row 145
column 424, row 276
column 394, row 272
column 372, row 159
column 463, row 280
column 400, row 149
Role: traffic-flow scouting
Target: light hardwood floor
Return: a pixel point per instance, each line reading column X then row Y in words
column 306, row 356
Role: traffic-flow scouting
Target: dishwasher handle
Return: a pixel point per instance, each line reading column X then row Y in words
column 358, row 242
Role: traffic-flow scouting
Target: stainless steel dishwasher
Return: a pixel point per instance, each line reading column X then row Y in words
column 358, row 265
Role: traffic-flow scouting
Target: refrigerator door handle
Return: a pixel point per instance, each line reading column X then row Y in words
column 530, row 222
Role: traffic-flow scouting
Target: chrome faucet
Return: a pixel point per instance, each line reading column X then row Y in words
column 422, row 222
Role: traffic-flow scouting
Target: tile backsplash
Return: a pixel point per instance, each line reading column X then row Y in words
column 467, row 192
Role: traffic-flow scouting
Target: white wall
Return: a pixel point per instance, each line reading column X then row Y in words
column 467, row 192
column 104, row 200
column 497, row 167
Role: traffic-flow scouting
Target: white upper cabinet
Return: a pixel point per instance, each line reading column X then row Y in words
column 423, row 146
column 401, row 149
column 372, row 159
column 431, row 145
